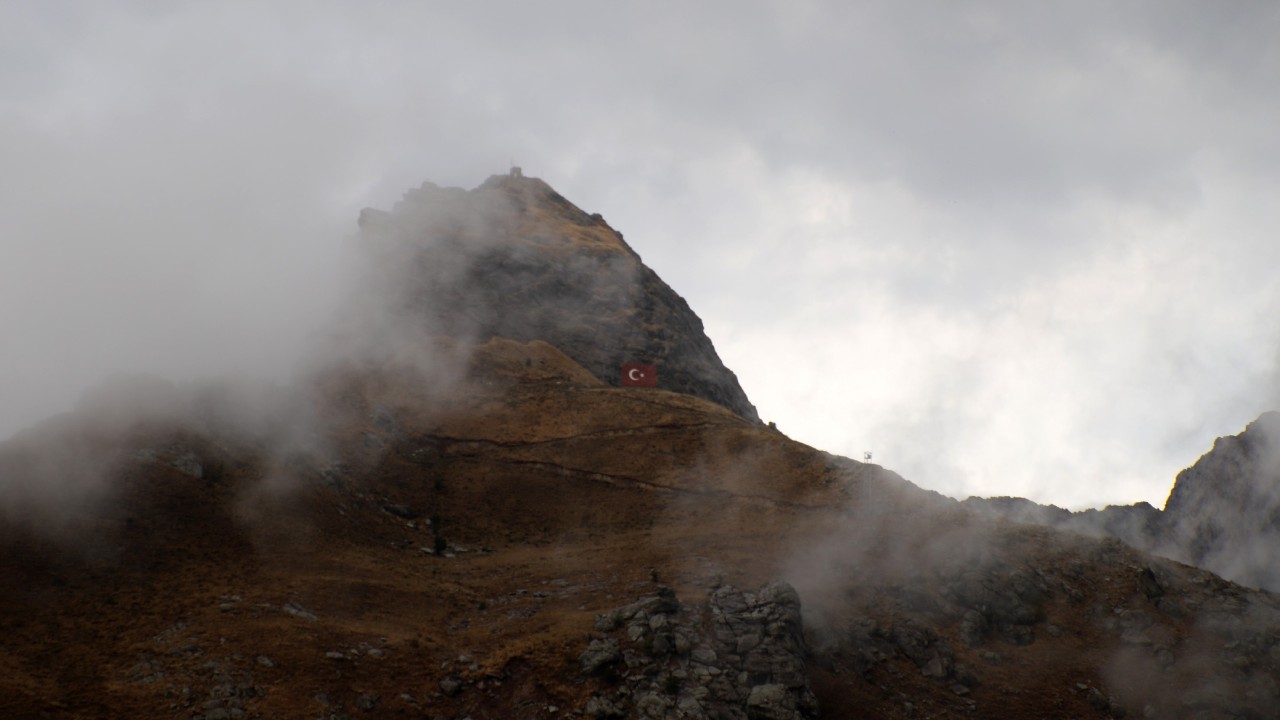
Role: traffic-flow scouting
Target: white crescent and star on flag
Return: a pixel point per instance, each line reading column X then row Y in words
column 640, row 375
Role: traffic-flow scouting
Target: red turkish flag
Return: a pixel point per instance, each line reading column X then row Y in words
column 640, row 375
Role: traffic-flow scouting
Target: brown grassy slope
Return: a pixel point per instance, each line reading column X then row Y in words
column 291, row 584
column 170, row 587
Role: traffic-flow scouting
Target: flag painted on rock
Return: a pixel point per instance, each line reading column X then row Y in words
column 640, row 375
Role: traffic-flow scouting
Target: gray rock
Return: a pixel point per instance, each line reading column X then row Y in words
column 661, row 645
column 1149, row 585
column 747, row 642
column 973, row 628
column 188, row 463
column 298, row 611
column 703, row 654
column 450, row 686
column 684, row 640
column 688, row 706
column 939, row 666
column 602, row 707
column 914, row 640
column 607, row 623
column 1021, row 635
column 403, row 512
column 706, row 662
column 384, row 420
column 599, row 654
column 653, row 706
column 771, row 702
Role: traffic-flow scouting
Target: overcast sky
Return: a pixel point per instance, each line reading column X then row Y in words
column 1009, row 248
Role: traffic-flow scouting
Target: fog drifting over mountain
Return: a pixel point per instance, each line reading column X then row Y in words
column 1011, row 250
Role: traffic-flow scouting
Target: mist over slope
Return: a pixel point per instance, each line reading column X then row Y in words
column 1223, row 512
column 457, row 511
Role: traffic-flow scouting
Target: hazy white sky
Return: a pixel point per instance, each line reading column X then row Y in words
column 1010, row 248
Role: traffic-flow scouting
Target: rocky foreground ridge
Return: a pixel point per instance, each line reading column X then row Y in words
column 1223, row 513
column 471, row 525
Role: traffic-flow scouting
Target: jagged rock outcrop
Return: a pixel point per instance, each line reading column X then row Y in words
column 1223, row 513
column 512, row 258
column 739, row 657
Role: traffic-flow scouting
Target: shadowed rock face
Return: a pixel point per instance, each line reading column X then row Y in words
column 1223, row 513
column 739, row 657
column 514, row 259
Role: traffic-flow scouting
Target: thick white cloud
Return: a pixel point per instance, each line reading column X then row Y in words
column 1010, row 248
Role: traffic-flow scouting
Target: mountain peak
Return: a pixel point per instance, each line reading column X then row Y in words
column 475, row 525
column 513, row 258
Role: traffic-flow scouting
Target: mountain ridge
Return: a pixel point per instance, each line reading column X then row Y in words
column 1222, row 513
column 438, row 520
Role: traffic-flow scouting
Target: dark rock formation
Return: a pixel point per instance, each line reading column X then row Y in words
column 1223, row 513
column 740, row 657
column 514, row 259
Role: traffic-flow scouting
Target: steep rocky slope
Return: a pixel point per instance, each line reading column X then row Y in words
column 482, row 527
column 513, row 258
column 1224, row 512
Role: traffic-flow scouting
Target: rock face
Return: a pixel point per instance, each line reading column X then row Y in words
column 1223, row 513
column 739, row 657
column 514, row 259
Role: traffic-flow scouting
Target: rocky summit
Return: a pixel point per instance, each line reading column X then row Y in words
column 457, row 511
column 514, row 259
